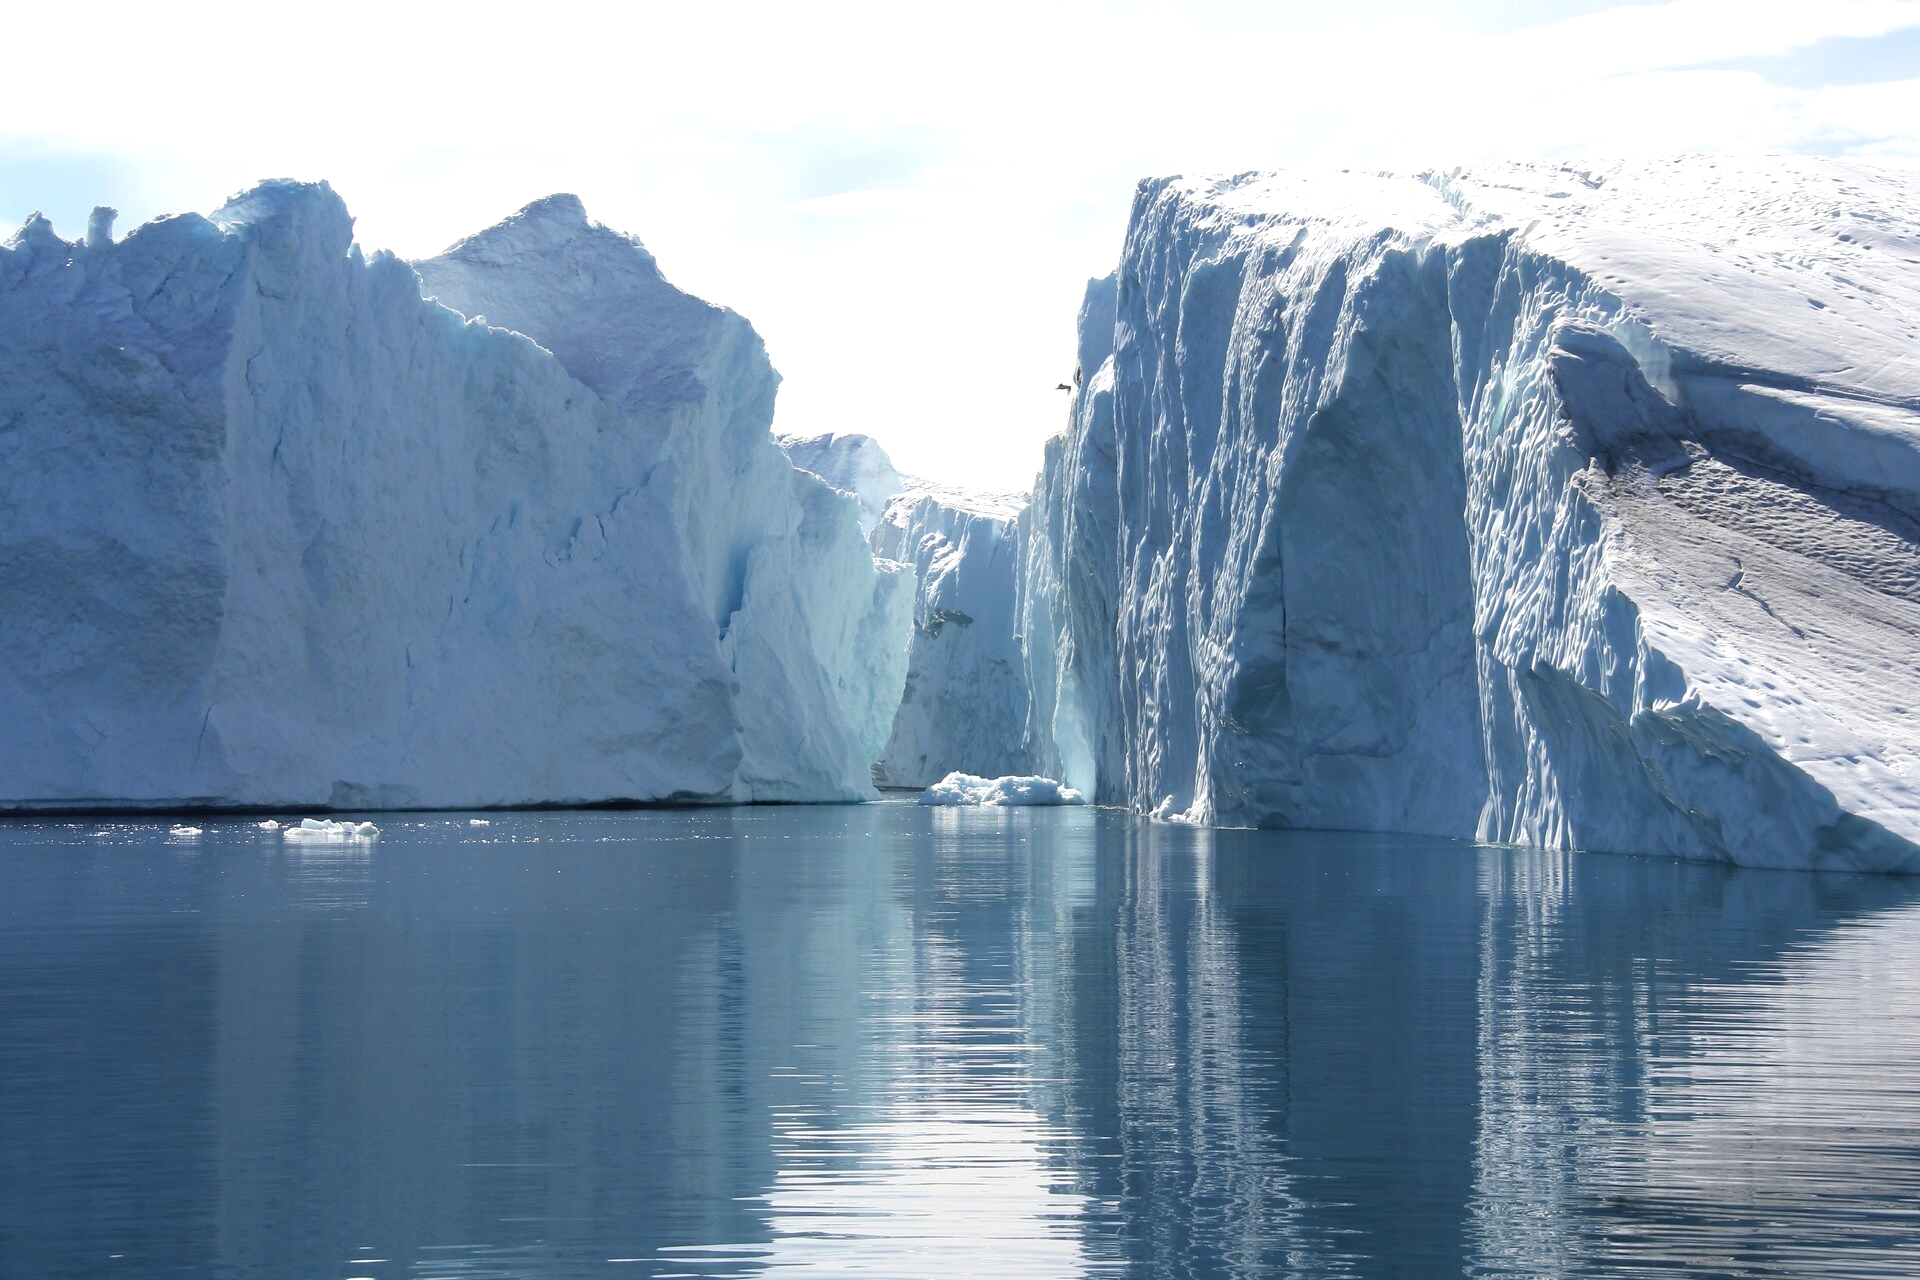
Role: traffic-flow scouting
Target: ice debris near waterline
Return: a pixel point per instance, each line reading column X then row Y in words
column 278, row 530
column 966, row 789
column 326, row 831
column 1568, row 507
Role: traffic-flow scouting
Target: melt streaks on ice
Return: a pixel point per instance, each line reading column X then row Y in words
column 279, row 531
column 1571, row 507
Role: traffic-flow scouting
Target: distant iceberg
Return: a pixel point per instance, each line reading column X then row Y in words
column 964, row 706
column 966, row 789
column 852, row 463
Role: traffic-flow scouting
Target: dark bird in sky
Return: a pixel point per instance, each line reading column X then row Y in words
column 1063, row 387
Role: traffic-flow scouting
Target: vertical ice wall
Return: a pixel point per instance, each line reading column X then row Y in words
column 778, row 556
column 1262, row 508
column 1564, row 507
column 277, row 531
column 1069, row 585
column 965, row 701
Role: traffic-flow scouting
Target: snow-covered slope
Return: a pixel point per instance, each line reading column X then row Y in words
column 1570, row 507
column 277, row 531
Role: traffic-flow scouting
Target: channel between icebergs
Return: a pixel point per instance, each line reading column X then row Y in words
column 1573, row 507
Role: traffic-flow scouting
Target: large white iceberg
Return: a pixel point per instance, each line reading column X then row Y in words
column 1573, row 507
column 277, row 531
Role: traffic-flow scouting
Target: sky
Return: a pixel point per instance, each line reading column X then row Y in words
column 906, row 200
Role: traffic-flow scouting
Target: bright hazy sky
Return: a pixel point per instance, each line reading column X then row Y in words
column 906, row 200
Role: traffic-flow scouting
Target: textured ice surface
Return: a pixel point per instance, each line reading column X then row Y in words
column 278, row 531
column 1569, row 507
column 966, row 789
column 965, row 701
column 810, row 626
column 851, row 463
column 327, row 831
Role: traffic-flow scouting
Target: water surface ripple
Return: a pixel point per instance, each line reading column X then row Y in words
column 888, row 1041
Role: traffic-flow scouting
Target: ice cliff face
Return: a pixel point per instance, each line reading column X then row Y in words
column 965, row 704
column 1559, row 507
column 277, row 531
column 964, row 708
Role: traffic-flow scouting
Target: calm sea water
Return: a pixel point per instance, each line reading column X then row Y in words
column 888, row 1041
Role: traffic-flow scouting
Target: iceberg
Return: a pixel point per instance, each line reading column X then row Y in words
column 966, row 789
column 964, row 704
column 1576, row 507
column 852, row 463
column 280, row 531
column 327, row 831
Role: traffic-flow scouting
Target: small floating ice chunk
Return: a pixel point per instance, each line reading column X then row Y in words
column 965, row 788
column 1165, row 812
column 477, row 822
column 183, row 830
column 325, row 829
column 268, row 825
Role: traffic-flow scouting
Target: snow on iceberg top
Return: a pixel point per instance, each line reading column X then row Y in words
column 1805, row 267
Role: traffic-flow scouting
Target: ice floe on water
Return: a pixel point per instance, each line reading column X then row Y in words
column 326, row 830
column 183, row 831
column 968, row 789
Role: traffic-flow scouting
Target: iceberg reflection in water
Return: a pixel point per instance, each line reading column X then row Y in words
column 1759, row 1115
column 898, row 1041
